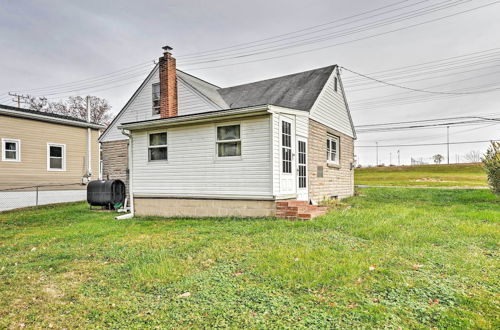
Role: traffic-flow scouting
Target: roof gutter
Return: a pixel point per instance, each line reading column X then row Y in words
column 61, row 121
column 197, row 118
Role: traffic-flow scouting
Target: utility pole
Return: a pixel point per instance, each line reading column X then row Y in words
column 390, row 158
column 399, row 163
column 448, row 143
column 17, row 98
column 376, row 143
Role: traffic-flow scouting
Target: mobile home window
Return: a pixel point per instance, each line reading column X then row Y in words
column 11, row 150
column 228, row 141
column 286, row 146
column 332, row 149
column 56, row 157
column 158, row 149
column 156, row 99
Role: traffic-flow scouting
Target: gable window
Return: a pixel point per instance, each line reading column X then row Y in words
column 228, row 141
column 332, row 149
column 11, row 150
column 286, row 146
column 56, row 157
column 156, row 99
column 158, row 149
column 335, row 84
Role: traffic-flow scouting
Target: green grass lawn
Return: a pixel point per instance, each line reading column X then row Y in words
column 453, row 175
column 410, row 258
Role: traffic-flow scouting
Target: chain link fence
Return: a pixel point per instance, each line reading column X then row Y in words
column 19, row 197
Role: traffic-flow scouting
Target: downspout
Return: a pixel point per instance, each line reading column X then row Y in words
column 89, row 143
column 130, row 178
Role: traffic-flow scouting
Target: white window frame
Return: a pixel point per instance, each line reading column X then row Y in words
column 63, row 146
column 18, row 150
column 330, row 137
column 217, row 142
column 158, row 146
column 152, row 99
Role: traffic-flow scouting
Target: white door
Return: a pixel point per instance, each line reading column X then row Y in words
column 287, row 146
column 302, row 182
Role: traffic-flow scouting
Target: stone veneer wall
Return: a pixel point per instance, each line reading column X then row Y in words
column 115, row 160
column 337, row 180
column 179, row 207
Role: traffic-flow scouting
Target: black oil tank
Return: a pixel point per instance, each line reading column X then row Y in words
column 109, row 193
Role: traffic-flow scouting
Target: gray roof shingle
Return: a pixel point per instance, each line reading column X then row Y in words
column 296, row 91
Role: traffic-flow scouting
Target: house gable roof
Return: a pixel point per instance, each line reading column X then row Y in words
column 296, row 91
column 8, row 110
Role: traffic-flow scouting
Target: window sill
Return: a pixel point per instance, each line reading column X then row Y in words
column 228, row 158
column 159, row 161
column 333, row 165
column 56, row 170
column 11, row 160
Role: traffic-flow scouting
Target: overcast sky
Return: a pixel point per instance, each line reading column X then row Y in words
column 46, row 43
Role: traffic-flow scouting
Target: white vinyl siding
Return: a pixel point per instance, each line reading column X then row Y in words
column 330, row 108
column 190, row 101
column 193, row 168
column 141, row 106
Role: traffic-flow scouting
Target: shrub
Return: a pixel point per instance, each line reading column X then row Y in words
column 491, row 161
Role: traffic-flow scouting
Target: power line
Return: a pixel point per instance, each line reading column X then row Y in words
column 409, row 88
column 423, row 144
column 427, row 120
column 350, row 41
column 390, row 129
column 333, row 35
column 418, row 66
column 251, row 43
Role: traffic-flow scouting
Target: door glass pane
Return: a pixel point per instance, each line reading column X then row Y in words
column 229, row 149
column 228, row 132
column 55, row 151
column 158, row 139
column 56, row 163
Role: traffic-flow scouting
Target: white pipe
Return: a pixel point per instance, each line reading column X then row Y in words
column 130, row 179
column 89, row 144
column 125, row 216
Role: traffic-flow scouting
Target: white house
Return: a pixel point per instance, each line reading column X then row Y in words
column 267, row 148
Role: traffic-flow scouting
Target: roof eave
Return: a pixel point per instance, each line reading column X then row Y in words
column 55, row 120
column 197, row 118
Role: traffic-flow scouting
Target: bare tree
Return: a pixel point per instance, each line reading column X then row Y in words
column 473, row 156
column 438, row 158
column 75, row 106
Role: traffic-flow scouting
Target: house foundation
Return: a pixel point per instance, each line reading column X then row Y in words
column 179, row 207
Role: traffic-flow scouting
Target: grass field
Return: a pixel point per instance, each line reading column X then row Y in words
column 453, row 175
column 410, row 258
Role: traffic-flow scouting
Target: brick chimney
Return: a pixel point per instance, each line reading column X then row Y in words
column 168, row 84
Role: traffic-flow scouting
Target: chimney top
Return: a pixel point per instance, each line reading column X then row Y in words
column 167, row 49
